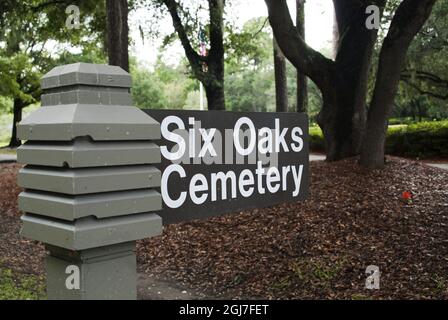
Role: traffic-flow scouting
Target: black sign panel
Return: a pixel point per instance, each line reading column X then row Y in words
column 215, row 162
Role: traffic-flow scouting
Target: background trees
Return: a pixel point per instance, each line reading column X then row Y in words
column 344, row 89
column 424, row 80
column 28, row 30
column 344, row 82
column 208, row 68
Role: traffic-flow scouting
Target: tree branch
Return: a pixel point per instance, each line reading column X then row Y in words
column 193, row 57
column 409, row 18
column 426, row 92
column 304, row 58
column 424, row 76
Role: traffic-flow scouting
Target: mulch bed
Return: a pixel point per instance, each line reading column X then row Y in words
column 23, row 255
column 319, row 248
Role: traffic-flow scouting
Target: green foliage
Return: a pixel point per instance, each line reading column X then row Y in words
column 166, row 87
column 147, row 91
column 250, row 90
column 5, row 122
column 249, row 81
column 250, row 47
column 26, row 29
column 15, row 286
column 424, row 89
column 401, row 121
column 418, row 140
column 422, row 140
column 19, row 79
column 317, row 142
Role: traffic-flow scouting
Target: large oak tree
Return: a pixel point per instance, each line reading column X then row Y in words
column 343, row 82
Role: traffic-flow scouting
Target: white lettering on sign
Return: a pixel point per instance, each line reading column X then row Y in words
column 244, row 184
column 201, row 144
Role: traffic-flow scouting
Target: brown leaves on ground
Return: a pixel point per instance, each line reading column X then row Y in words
column 23, row 255
column 319, row 248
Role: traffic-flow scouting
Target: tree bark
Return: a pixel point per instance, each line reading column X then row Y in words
column 117, row 33
column 302, row 82
column 215, row 98
column 17, row 117
column 335, row 39
column 409, row 18
column 343, row 82
column 281, row 84
column 214, row 77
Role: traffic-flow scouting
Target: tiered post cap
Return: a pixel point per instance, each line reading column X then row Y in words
column 89, row 179
column 86, row 74
column 84, row 99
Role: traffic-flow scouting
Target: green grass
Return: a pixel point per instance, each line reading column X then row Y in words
column 310, row 273
column 315, row 131
column 15, row 286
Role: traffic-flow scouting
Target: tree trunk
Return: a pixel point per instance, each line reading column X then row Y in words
column 343, row 115
column 343, row 82
column 215, row 97
column 117, row 33
column 17, row 117
column 407, row 22
column 281, row 84
column 343, row 130
column 302, row 82
column 335, row 39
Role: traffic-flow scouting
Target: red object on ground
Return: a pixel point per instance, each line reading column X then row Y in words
column 406, row 195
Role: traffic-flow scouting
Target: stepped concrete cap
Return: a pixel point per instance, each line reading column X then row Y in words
column 86, row 74
column 89, row 180
column 82, row 153
column 67, row 122
column 102, row 205
column 89, row 232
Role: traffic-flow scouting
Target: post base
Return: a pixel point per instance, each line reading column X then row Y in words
column 104, row 273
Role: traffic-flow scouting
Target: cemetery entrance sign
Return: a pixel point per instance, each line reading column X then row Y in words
column 215, row 162
column 101, row 174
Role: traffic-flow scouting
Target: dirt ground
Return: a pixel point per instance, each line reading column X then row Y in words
column 319, row 248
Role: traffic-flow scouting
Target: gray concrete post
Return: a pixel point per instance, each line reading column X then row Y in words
column 89, row 181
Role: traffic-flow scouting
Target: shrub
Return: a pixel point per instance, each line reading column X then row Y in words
column 395, row 121
column 422, row 140
column 317, row 142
